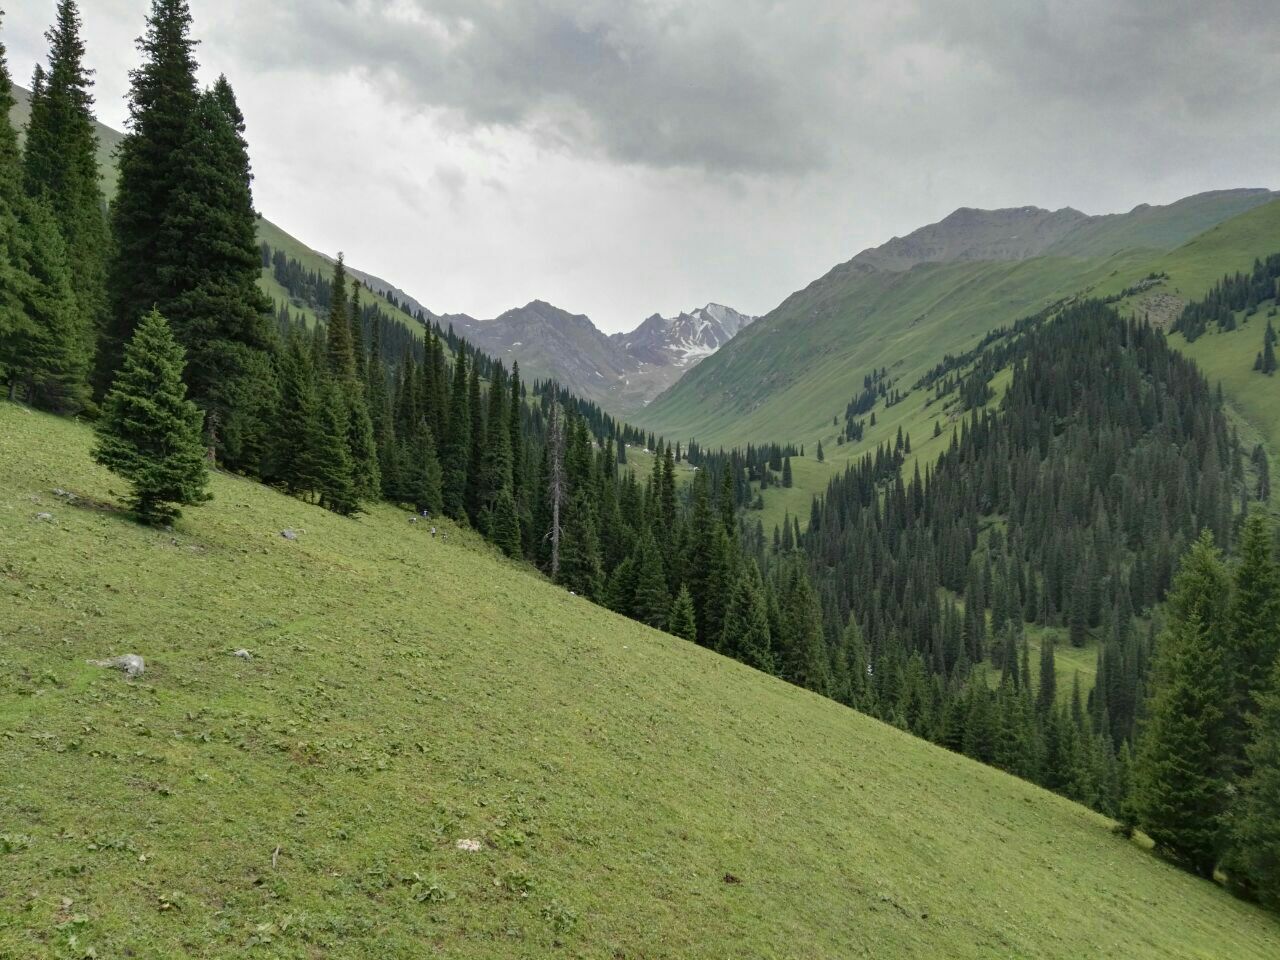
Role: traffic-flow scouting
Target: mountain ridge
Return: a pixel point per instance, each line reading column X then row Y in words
column 898, row 306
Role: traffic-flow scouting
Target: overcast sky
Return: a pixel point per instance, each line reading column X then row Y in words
column 621, row 157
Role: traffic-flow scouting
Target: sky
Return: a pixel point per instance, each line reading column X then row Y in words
column 624, row 157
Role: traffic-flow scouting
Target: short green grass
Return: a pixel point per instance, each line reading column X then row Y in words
column 633, row 795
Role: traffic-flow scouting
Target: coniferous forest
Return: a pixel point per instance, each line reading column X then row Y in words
column 1103, row 498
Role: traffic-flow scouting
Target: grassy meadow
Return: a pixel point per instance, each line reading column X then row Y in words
column 408, row 699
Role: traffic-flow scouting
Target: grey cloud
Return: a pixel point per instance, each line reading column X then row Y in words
column 760, row 86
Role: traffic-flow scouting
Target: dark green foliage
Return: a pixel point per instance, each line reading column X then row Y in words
column 61, row 166
column 1181, row 778
column 147, row 270
column 580, row 569
column 786, row 473
column 335, row 482
column 150, row 432
column 212, row 261
column 504, row 524
column 652, row 603
column 48, row 357
column 681, row 621
column 294, row 458
column 1256, row 856
column 745, row 635
column 1252, row 641
column 457, row 445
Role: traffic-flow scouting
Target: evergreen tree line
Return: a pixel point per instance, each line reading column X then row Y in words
column 1230, row 295
column 1063, row 512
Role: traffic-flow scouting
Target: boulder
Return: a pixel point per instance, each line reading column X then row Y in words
column 130, row 664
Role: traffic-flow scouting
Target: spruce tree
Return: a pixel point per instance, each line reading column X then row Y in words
column 339, row 350
column 335, row 481
column 215, row 307
column 1180, row 787
column 745, row 635
column 457, row 445
column 295, row 446
column 474, row 495
column 61, row 165
column 50, row 360
column 1047, row 695
column 13, row 276
column 1253, row 638
column 681, row 622
column 580, row 569
column 504, row 525
column 150, row 432
column 651, row 603
column 146, row 268
column 1256, row 853
column 786, row 473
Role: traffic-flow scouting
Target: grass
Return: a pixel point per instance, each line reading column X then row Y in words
column 633, row 795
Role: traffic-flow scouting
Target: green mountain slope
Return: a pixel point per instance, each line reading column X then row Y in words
column 632, row 795
column 796, row 368
column 1226, row 358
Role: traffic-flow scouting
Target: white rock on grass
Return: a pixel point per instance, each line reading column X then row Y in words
column 130, row 664
column 243, row 654
column 470, row 845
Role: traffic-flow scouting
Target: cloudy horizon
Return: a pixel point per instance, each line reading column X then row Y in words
column 619, row 159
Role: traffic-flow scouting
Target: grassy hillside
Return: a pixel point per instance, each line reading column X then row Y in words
column 1226, row 358
column 632, row 795
column 1160, row 228
column 786, row 376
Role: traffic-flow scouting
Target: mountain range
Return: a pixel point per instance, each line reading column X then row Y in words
column 908, row 303
column 623, row 371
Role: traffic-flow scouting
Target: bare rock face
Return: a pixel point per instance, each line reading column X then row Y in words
column 130, row 664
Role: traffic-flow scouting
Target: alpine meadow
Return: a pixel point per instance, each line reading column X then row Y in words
column 930, row 610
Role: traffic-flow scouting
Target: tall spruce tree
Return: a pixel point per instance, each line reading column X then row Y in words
column 1256, row 855
column 296, row 442
column 50, row 359
column 61, row 165
column 457, row 443
column 41, row 347
column 1253, row 638
column 216, row 309
column 13, row 276
column 1181, row 778
column 150, row 433
column 146, row 269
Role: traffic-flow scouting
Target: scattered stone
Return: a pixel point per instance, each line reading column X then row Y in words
column 470, row 845
column 45, row 517
column 130, row 664
column 64, row 494
column 243, row 654
column 289, row 534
